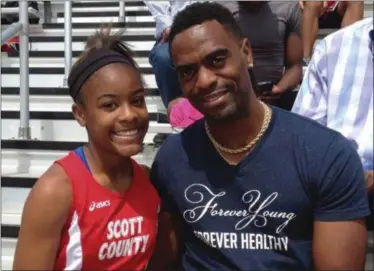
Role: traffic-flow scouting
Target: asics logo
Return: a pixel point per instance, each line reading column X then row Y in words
column 99, row 205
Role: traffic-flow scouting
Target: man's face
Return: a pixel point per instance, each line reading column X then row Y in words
column 212, row 67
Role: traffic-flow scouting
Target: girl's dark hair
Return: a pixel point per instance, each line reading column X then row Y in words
column 105, row 39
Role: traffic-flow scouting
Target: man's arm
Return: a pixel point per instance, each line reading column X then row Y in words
column 167, row 252
column 340, row 245
column 44, row 215
column 341, row 205
column 311, row 100
column 293, row 53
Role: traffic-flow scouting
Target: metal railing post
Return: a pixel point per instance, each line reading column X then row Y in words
column 122, row 11
column 47, row 11
column 68, row 40
column 24, row 131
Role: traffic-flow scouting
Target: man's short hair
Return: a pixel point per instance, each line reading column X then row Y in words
column 200, row 12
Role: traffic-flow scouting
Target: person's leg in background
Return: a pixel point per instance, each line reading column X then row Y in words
column 351, row 11
column 310, row 26
column 166, row 76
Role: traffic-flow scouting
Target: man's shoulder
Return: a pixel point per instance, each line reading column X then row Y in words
column 308, row 130
column 313, row 141
column 175, row 144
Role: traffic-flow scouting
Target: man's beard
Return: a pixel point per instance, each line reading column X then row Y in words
column 234, row 112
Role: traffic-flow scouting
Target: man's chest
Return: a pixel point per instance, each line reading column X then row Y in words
column 244, row 214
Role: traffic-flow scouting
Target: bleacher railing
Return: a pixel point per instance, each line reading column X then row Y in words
column 22, row 27
column 68, row 41
column 68, row 34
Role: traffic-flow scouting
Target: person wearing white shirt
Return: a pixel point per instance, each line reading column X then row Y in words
column 337, row 89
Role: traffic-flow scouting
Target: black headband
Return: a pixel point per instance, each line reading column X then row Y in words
column 95, row 60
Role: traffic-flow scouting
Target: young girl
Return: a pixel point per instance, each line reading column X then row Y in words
column 95, row 209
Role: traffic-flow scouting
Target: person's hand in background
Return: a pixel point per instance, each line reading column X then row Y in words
column 272, row 96
column 324, row 8
column 165, row 34
column 369, row 181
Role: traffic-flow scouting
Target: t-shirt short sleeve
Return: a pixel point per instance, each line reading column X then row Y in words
column 341, row 191
column 294, row 19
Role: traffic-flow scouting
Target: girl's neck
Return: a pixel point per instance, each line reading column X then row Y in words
column 114, row 167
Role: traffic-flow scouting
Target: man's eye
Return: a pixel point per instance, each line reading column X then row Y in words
column 219, row 60
column 186, row 73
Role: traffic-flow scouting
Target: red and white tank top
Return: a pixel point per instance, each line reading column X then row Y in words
column 107, row 230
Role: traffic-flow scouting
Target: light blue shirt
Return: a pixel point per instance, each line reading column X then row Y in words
column 164, row 12
column 337, row 89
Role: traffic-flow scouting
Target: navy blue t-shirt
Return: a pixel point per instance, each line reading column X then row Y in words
column 259, row 214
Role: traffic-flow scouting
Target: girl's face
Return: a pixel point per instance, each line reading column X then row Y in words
column 113, row 109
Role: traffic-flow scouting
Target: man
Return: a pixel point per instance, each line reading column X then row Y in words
column 326, row 14
column 277, row 49
column 252, row 186
column 277, row 53
column 337, row 89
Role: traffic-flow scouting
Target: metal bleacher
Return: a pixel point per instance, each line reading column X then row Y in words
column 53, row 130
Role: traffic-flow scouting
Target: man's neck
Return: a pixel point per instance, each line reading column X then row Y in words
column 238, row 133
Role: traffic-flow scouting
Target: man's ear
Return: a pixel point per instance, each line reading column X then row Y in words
column 79, row 114
column 247, row 52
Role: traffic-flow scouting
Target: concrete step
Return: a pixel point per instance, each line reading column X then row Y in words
column 139, row 14
column 127, row 37
column 101, row 4
column 52, row 77
column 86, row 29
column 108, row 19
column 6, row 12
column 108, row 9
column 59, row 52
column 151, row 92
column 62, row 127
column 138, row 43
column 90, row 25
column 39, row 31
column 137, row 46
column 40, row 60
column 61, row 103
column 8, row 247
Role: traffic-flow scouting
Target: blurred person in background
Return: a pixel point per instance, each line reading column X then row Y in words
column 273, row 31
column 337, row 90
column 326, row 14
